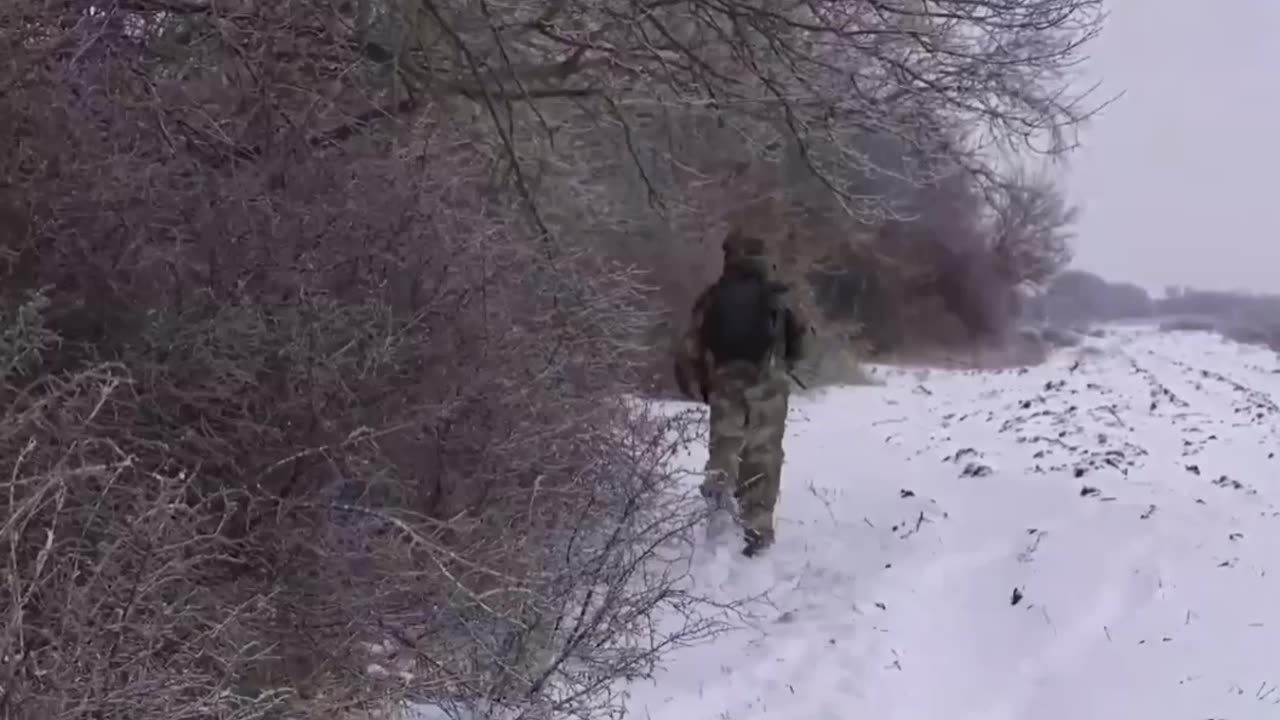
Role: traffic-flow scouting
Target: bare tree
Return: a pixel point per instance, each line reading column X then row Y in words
column 602, row 112
column 1032, row 229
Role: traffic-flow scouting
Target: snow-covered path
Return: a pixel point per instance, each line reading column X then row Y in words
column 1089, row 539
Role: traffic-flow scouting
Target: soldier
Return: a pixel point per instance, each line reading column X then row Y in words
column 742, row 343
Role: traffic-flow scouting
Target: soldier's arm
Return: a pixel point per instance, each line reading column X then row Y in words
column 690, row 365
column 796, row 330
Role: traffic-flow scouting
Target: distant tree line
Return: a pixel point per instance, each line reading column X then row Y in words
column 1078, row 297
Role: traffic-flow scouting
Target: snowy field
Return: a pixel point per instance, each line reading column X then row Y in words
column 1087, row 540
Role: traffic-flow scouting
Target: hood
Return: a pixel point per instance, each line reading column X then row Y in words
column 745, row 253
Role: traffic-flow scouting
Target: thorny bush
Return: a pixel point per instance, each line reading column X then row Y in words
column 286, row 384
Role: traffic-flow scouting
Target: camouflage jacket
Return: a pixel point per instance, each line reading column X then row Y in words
column 694, row 366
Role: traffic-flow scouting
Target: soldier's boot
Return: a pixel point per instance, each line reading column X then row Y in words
column 757, row 541
column 760, row 470
column 756, row 499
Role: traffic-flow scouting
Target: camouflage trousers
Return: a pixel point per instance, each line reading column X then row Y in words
column 748, row 421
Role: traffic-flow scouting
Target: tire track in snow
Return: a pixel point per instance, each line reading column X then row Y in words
column 1168, row 408
column 1228, row 427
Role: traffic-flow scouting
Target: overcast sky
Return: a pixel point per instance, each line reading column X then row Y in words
column 1180, row 179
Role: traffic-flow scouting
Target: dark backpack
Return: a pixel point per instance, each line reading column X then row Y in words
column 743, row 319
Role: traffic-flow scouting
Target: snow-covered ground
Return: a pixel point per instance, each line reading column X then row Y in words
column 1092, row 539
